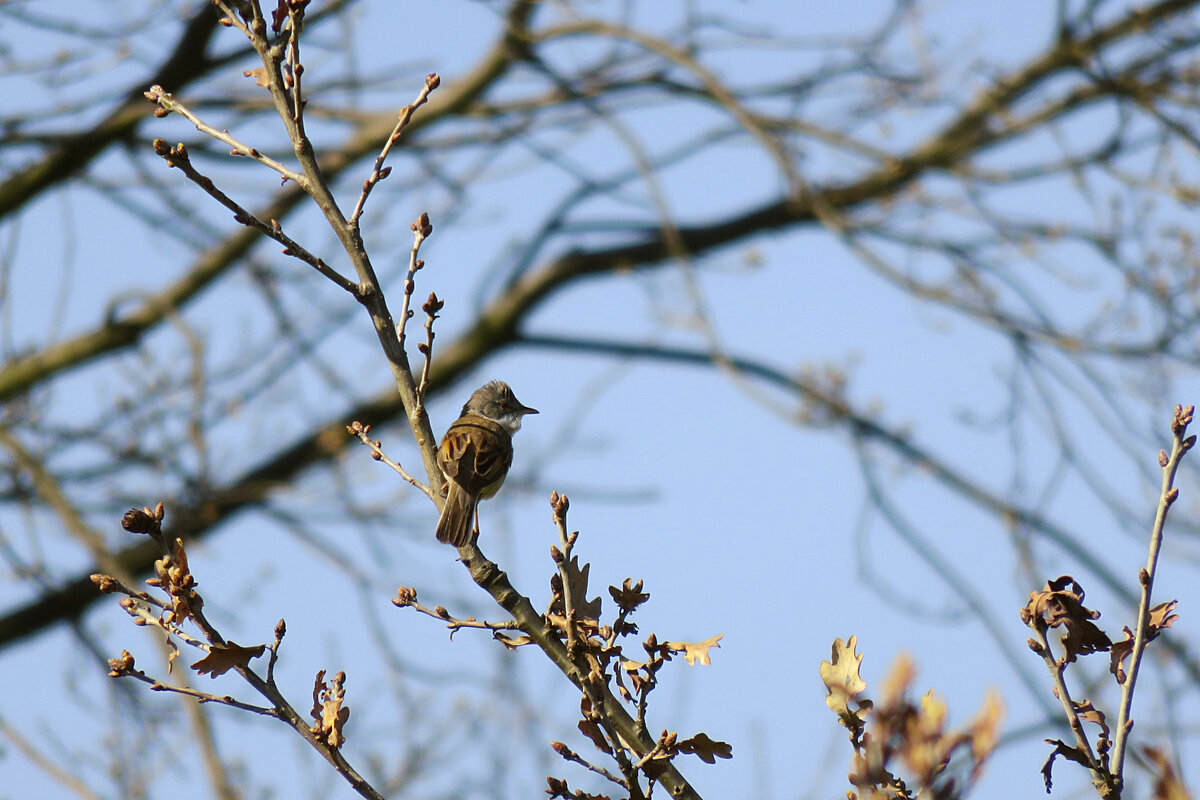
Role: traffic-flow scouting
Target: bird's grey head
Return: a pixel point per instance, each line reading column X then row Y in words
column 496, row 401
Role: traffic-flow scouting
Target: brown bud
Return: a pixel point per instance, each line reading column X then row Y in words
column 122, row 665
column 433, row 80
column 432, row 304
column 140, row 521
column 105, row 583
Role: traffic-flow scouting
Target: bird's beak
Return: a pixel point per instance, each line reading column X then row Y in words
column 528, row 410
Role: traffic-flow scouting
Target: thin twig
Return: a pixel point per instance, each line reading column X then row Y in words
column 1063, row 694
column 560, row 504
column 406, row 597
column 432, row 81
column 363, row 434
column 421, row 229
column 178, row 157
column 203, row 697
column 168, row 103
column 1167, row 496
column 570, row 755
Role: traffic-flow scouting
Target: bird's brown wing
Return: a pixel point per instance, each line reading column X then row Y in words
column 475, row 453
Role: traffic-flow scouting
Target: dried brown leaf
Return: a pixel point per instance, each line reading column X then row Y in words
column 592, row 731
column 577, row 581
column 706, row 749
column 841, row 679
column 259, row 75
column 696, row 652
column 510, row 641
column 1065, row 750
column 1161, row 616
column 1060, row 604
column 222, row 658
column 1167, row 784
column 1117, row 655
column 329, row 711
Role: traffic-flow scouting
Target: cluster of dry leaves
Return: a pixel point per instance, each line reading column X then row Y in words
column 1059, row 605
column 902, row 748
column 183, row 604
column 598, row 648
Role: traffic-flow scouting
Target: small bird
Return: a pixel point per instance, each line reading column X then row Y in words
column 475, row 454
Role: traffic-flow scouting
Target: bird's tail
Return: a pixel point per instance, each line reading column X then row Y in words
column 458, row 516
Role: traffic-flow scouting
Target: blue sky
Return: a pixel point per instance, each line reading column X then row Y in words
column 739, row 520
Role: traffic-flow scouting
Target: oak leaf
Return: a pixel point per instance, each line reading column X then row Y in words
column 577, row 583
column 592, row 731
column 696, row 652
column 1060, row 605
column 222, row 658
column 329, row 712
column 841, row 679
column 706, row 749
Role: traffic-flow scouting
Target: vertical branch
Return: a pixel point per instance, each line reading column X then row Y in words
column 1167, row 496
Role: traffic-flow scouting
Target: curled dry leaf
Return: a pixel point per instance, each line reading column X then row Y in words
column 1117, row 655
column 259, row 75
column 329, row 712
column 1161, row 616
column 696, row 652
column 509, row 641
column 222, row 658
column 1068, row 752
column 1060, row 604
column 1089, row 713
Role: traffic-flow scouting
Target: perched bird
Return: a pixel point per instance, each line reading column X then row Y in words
column 475, row 454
